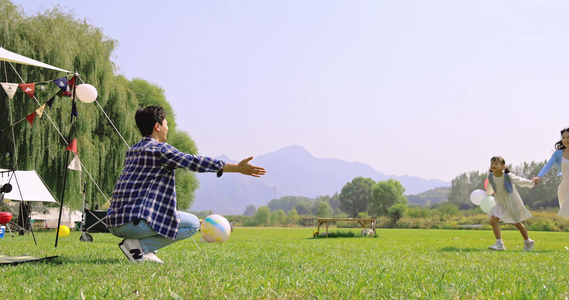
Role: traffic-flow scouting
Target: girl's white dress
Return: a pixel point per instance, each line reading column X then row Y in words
column 509, row 207
column 563, row 189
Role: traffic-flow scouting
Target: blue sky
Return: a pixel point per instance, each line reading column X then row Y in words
column 423, row 88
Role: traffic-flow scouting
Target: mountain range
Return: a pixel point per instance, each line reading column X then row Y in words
column 291, row 171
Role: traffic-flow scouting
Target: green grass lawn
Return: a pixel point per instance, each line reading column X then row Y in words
column 280, row 263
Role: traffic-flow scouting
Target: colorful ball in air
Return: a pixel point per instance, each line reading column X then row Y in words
column 215, row 228
column 64, row 230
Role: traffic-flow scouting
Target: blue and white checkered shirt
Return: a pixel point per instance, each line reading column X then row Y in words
column 146, row 188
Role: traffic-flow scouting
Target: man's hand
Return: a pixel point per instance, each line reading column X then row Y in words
column 244, row 167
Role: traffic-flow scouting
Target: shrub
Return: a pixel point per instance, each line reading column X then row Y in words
column 397, row 211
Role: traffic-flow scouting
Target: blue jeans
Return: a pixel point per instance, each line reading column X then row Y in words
column 149, row 239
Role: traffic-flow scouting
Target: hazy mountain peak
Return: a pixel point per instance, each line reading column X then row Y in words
column 291, row 171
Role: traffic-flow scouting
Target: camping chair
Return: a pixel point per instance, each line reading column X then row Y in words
column 93, row 221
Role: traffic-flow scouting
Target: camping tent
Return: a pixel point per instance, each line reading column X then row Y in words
column 20, row 59
column 30, row 185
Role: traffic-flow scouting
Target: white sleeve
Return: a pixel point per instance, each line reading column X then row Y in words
column 522, row 182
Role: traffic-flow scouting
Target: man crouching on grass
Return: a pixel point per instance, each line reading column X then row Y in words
column 143, row 204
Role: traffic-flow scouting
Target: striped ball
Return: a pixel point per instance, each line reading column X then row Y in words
column 215, row 228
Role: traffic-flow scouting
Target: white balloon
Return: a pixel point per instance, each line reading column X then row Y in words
column 476, row 196
column 86, row 93
column 487, row 203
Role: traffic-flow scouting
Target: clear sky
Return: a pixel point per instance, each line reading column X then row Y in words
column 423, row 88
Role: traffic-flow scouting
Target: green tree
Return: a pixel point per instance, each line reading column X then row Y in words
column 287, row 203
column 278, row 217
column 397, row 211
column 250, row 210
column 292, row 217
column 385, row 194
column 463, row 185
column 355, row 196
column 324, row 210
column 263, row 215
column 304, row 208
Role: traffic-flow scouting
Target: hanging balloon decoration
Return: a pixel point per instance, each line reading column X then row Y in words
column 86, row 93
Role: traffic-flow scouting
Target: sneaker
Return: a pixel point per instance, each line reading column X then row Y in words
column 528, row 245
column 152, row 257
column 497, row 246
column 131, row 248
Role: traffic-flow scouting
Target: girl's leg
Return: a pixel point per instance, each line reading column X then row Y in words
column 522, row 230
column 495, row 222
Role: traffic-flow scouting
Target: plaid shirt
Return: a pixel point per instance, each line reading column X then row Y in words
column 146, row 188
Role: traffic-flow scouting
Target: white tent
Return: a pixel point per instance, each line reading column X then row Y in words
column 29, row 183
column 20, row 59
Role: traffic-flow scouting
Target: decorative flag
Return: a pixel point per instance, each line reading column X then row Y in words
column 40, row 110
column 60, row 94
column 10, row 89
column 61, row 83
column 74, row 110
column 72, row 146
column 75, row 164
column 67, row 92
column 31, row 118
column 50, row 102
column 72, row 81
column 28, row 88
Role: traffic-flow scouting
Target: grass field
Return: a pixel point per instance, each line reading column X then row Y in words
column 280, row 263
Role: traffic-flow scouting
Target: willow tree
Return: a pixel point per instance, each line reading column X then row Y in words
column 60, row 39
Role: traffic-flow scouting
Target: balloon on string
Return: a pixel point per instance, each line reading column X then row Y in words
column 486, row 183
column 476, row 196
column 487, row 203
column 86, row 93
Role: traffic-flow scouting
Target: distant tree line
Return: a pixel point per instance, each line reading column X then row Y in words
column 364, row 197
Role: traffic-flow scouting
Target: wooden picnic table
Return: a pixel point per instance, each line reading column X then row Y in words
column 364, row 222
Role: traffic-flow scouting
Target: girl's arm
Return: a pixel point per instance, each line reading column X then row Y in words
column 520, row 181
column 549, row 165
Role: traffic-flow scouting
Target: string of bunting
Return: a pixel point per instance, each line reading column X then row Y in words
column 65, row 86
column 30, row 88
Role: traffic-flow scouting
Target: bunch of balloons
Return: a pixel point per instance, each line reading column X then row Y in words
column 486, row 202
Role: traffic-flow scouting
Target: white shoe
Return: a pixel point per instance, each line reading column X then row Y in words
column 497, row 246
column 528, row 245
column 131, row 248
column 152, row 257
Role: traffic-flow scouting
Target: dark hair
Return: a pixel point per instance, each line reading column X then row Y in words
column 500, row 160
column 559, row 145
column 147, row 117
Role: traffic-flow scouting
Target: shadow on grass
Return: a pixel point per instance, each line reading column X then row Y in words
column 456, row 249
column 98, row 261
